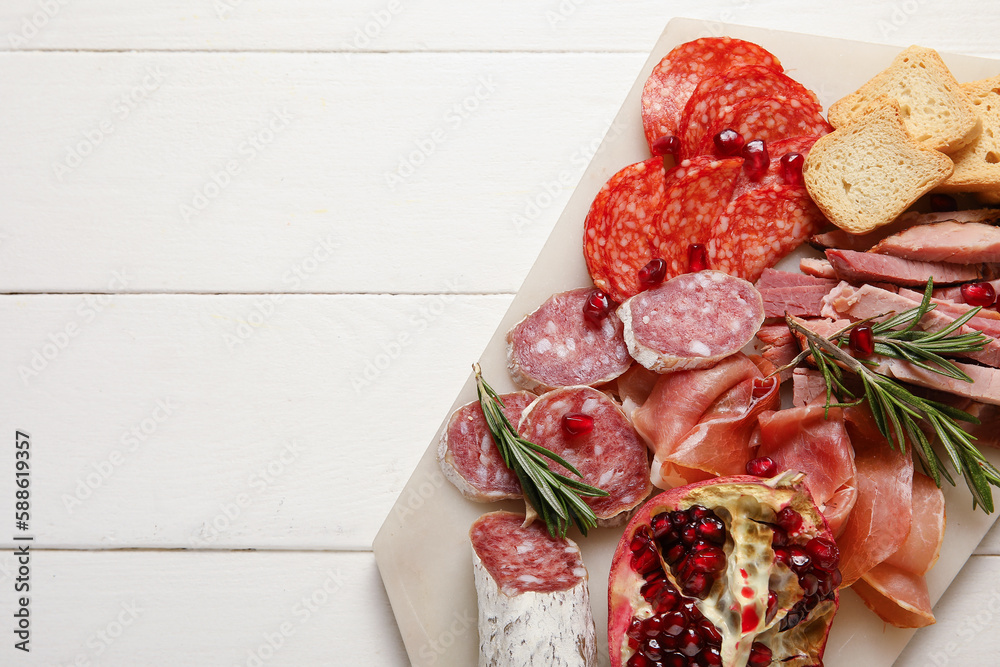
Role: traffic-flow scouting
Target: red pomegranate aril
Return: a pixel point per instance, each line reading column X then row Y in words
column 575, row 424
column 651, row 590
column 697, row 585
column 755, row 159
column 943, row 203
column 779, row 538
column 979, row 294
column 728, row 143
column 668, row 144
column 772, row 606
column 760, row 655
column 635, row 629
column 798, row 559
column 651, row 649
column 653, row 273
column 596, row 307
column 862, row 340
column 789, row 519
column 679, row 518
column 710, row 560
column 809, row 584
column 781, row 556
column 712, row 530
column 791, row 168
column 697, row 512
column 689, row 534
column 675, row 554
column 674, row 623
column 674, row 660
column 710, row 657
column 639, row 541
column 824, row 553
column 667, row 601
column 661, row 525
column 762, row 466
column 697, row 258
column 645, row 561
column 639, row 660
column 709, row 632
column 690, row 642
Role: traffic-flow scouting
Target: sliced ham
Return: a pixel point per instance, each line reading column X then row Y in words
column 860, row 267
column 954, row 293
column 985, row 385
column 808, row 386
column 923, row 543
column 880, row 520
column 802, row 300
column 838, row 238
column 701, row 423
column 818, row 268
column 635, row 385
column 987, row 431
column 773, row 278
column 899, row 598
column 868, row 301
column 778, row 346
column 953, row 242
column 985, row 320
column 809, row 440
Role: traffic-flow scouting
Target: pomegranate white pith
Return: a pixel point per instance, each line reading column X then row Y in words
column 770, row 598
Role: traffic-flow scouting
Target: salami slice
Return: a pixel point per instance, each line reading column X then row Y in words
column 470, row 459
column 675, row 78
column 697, row 192
column 555, row 346
column 716, row 96
column 534, row 606
column 768, row 118
column 776, row 150
column 620, row 226
column 761, row 227
column 691, row 321
column 610, row 456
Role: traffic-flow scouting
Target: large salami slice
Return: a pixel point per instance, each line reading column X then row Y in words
column 675, row 78
column 468, row 456
column 698, row 191
column 620, row 226
column 556, row 346
column 610, row 456
column 716, row 96
column 767, row 118
column 534, row 607
column 691, row 321
column 761, row 227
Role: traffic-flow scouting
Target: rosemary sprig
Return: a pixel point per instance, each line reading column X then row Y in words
column 555, row 497
column 897, row 411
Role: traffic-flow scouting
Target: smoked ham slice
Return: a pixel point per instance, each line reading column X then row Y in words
column 953, row 242
column 534, row 606
column 701, row 423
column 860, row 267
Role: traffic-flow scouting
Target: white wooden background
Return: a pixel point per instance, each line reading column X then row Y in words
column 247, row 252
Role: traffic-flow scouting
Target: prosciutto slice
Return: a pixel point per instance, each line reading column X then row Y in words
column 702, row 423
column 880, row 520
column 804, row 439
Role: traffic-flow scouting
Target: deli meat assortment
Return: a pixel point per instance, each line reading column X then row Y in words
column 668, row 371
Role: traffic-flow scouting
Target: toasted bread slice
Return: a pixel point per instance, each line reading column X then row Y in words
column 977, row 166
column 937, row 112
column 864, row 175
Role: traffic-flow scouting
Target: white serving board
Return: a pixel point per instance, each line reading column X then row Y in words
column 422, row 549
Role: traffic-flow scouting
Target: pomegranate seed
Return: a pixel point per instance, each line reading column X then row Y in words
column 710, row 657
column 712, row 530
column 779, row 538
column 675, row 554
column 651, row 591
column 862, row 340
column 697, row 512
column 668, row 601
column 639, row 660
column 836, row 578
column 645, row 561
column 674, row 660
column 760, row 655
column 824, row 553
column 755, row 159
column 679, row 518
column 651, row 649
column 728, row 143
column 576, row 423
column 697, row 257
column 709, row 632
column 689, row 534
column 762, row 466
column 712, row 559
column 798, row 558
column 667, row 144
column 668, row 643
column 791, row 168
column 653, row 273
column 635, row 629
column 942, row 203
column 979, row 294
column 639, row 541
column 809, row 584
column 781, row 555
column 596, row 307
column 661, row 526
column 789, row 519
column 772, row 606
column 698, row 585
column 690, row 642
column 674, row 623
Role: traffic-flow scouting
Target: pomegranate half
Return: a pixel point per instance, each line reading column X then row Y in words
column 732, row 571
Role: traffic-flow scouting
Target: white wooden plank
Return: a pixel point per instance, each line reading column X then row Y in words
column 990, row 543
column 470, row 143
column 203, row 422
column 390, row 25
column 200, row 609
